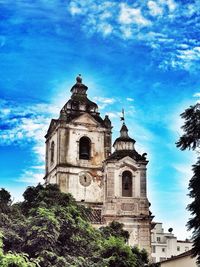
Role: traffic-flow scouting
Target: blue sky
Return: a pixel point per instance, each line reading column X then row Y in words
column 139, row 55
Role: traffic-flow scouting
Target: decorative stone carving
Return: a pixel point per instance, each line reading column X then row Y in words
column 134, row 236
column 127, row 207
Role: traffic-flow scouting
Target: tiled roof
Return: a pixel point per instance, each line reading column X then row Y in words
column 182, row 255
column 93, row 216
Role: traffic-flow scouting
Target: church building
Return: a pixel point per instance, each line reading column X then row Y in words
column 79, row 158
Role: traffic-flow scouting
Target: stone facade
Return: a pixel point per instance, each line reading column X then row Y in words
column 79, row 159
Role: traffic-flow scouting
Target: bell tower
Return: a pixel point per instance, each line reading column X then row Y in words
column 76, row 145
column 125, row 198
column 79, row 160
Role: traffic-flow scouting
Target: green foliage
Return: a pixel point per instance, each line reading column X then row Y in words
column 194, row 208
column 118, row 253
column 13, row 259
column 191, row 137
column 115, row 229
column 42, row 232
column 45, row 196
column 141, row 257
column 5, row 201
column 191, row 140
column 50, row 228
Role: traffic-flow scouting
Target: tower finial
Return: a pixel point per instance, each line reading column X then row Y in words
column 79, row 79
column 122, row 118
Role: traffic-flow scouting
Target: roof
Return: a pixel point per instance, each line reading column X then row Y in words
column 182, row 255
column 71, row 117
column 73, row 108
column 124, row 139
column 82, row 99
column 185, row 241
column 124, row 128
column 93, row 215
column 120, row 154
column 79, row 84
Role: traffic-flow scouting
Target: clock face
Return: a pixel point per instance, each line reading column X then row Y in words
column 85, row 179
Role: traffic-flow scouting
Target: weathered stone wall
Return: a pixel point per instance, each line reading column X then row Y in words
column 132, row 211
column 67, row 168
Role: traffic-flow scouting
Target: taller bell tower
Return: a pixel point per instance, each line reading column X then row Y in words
column 76, row 145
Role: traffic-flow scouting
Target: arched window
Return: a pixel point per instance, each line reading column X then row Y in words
column 52, row 151
column 126, row 184
column 84, row 148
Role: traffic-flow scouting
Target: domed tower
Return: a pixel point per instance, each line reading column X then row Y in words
column 76, row 145
column 125, row 198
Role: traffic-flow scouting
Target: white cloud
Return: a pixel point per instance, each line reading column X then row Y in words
column 32, row 176
column 154, row 8
column 127, row 32
column 129, row 15
column 112, row 115
column 158, row 24
column 105, row 28
column 196, row 94
column 23, row 125
column 130, row 99
column 183, row 46
column 104, row 102
column 74, row 8
column 189, row 54
column 171, row 5
column 98, row 16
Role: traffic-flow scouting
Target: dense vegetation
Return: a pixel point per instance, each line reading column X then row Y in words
column 49, row 229
column 191, row 140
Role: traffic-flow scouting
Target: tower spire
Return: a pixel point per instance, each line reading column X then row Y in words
column 124, row 129
column 122, row 118
column 79, row 78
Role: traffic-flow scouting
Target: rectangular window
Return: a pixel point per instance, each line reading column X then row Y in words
column 158, row 239
column 178, row 248
column 163, row 249
column 153, row 249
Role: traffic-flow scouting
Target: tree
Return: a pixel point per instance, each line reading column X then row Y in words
column 42, row 233
column 191, row 140
column 5, row 200
column 194, row 208
column 191, row 137
column 118, row 253
column 141, row 257
column 52, row 229
column 115, row 229
column 13, row 259
column 45, row 196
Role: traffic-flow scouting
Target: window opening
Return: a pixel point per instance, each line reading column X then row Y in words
column 126, row 184
column 52, row 151
column 84, row 148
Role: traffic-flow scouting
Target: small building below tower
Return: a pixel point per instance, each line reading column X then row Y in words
column 166, row 245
